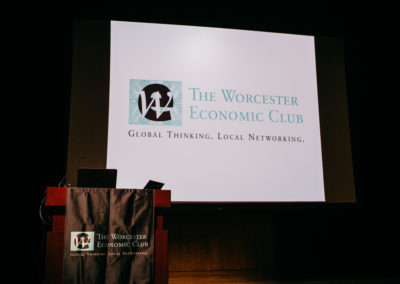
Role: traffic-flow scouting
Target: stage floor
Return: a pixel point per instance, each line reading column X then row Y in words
column 228, row 277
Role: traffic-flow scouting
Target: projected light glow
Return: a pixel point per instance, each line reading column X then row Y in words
column 218, row 115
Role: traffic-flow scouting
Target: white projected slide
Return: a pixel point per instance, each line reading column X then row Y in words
column 218, row 115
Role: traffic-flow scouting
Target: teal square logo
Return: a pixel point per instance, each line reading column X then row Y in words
column 82, row 241
column 153, row 102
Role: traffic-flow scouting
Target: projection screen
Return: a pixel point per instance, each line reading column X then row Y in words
column 218, row 115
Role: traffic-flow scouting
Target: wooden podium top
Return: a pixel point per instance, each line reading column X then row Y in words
column 56, row 196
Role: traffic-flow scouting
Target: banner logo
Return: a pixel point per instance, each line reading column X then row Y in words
column 82, row 241
column 155, row 102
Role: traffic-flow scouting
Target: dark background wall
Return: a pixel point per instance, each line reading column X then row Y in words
column 352, row 239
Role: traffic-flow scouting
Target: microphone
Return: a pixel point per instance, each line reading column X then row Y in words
column 76, row 162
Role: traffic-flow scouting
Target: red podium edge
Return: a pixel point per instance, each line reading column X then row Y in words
column 56, row 197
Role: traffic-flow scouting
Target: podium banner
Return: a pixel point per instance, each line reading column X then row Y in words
column 109, row 236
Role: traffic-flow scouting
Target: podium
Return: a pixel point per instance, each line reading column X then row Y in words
column 55, row 201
